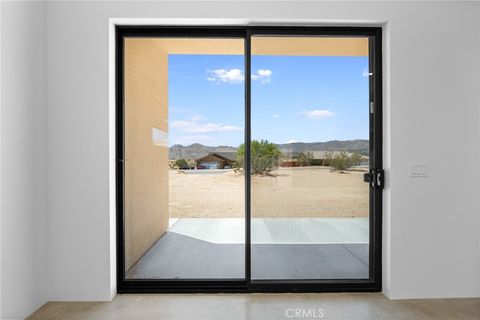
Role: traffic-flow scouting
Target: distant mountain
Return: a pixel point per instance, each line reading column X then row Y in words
column 358, row 146
column 197, row 150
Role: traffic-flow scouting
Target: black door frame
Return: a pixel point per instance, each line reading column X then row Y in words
column 374, row 282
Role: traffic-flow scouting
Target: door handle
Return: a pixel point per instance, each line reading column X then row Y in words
column 375, row 177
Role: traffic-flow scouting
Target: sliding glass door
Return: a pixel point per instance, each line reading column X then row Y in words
column 184, row 121
column 310, row 205
column 248, row 159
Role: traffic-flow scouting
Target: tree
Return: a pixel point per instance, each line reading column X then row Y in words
column 264, row 156
column 342, row 160
column 182, row 164
column 305, row 158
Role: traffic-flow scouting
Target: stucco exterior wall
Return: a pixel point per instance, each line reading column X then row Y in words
column 146, row 163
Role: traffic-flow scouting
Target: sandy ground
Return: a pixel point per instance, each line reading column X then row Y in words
column 292, row 193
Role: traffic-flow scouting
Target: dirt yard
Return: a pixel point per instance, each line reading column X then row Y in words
column 292, row 192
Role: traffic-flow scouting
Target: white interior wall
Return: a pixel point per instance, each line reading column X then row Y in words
column 432, row 225
column 432, row 103
column 23, row 280
column 478, row 153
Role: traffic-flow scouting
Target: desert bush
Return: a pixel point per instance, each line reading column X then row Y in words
column 181, row 164
column 264, row 156
column 191, row 163
column 342, row 160
column 305, row 158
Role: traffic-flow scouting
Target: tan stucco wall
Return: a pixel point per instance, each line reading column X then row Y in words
column 309, row 46
column 146, row 164
column 261, row 45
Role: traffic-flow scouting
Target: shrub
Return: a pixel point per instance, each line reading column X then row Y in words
column 264, row 156
column 305, row 158
column 181, row 164
column 316, row 162
column 342, row 160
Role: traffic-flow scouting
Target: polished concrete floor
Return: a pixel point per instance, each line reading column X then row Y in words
column 261, row 306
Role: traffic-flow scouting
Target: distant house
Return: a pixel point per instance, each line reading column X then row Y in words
column 319, row 158
column 364, row 161
column 289, row 163
column 217, row 160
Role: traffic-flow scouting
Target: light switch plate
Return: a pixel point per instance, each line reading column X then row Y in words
column 419, row 170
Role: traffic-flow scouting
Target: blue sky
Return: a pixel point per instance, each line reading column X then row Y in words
column 294, row 98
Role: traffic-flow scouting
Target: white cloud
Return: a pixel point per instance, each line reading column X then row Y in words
column 365, row 73
column 179, row 124
column 264, row 72
column 234, row 76
column 226, row 76
column 291, row 141
column 262, row 75
column 317, row 114
column 276, row 116
column 197, row 127
column 197, row 117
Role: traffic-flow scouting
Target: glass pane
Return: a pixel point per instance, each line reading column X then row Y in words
column 184, row 120
column 310, row 149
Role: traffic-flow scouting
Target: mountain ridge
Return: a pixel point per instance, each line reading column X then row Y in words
column 197, row 150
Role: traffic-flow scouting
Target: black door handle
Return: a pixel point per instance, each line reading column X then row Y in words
column 375, row 177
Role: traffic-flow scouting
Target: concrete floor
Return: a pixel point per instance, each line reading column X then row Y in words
column 261, row 306
column 283, row 248
column 176, row 256
column 274, row 230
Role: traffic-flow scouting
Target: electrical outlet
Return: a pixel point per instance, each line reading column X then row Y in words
column 419, row 170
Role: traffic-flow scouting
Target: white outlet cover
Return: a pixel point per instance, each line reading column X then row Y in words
column 419, row 170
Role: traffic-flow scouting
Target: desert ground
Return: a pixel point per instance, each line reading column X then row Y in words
column 290, row 193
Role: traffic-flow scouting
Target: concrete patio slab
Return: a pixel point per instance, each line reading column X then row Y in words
column 177, row 256
column 274, row 230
